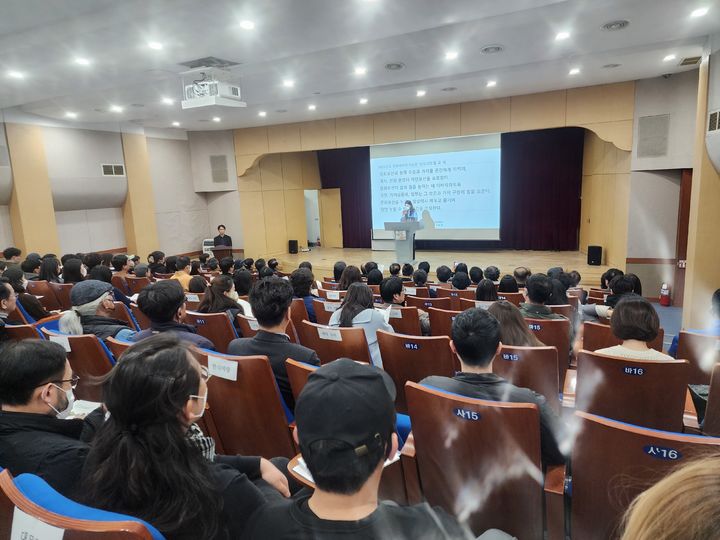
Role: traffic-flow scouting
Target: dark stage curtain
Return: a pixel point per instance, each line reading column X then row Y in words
column 541, row 178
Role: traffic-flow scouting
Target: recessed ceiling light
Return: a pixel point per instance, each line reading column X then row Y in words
column 360, row 70
column 216, row 118
column 699, row 12
column 490, row 84
column 420, row 93
column 288, row 83
column 669, row 58
column 116, row 108
column 451, row 55
column 70, row 114
column 155, row 45
column 262, row 113
column 363, row 101
column 311, row 107
column 247, row 25
column 15, row 74
column 82, row 61
column 562, row 35
column 176, row 124
column 168, row 101
column 574, row 71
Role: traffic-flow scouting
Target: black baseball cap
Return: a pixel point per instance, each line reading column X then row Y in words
column 346, row 401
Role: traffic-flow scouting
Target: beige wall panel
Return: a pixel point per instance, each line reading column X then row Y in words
column 273, row 203
column 310, row 170
column 591, row 153
column 253, row 223
column 398, row 126
column 489, row 116
column 620, row 132
column 317, row 135
column 295, row 216
column 271, row 172
column 243, row 163
column 251, row 141
column 622, row 165
column 608, row 158
column 620, row 203
column 284, row 138
column 602, row 103
column 292, row 171
column 330, row 202
column 437, row 122
column 354, row 131
column 250, row 181
column 537, row 111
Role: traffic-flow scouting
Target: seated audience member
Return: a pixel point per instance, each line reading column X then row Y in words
column 575, row 277
column 476, row 341
column 394, row 269
column 305, row 264
column 12, row 257
column 105, row 259
column 608, row 276
column 194, row 269
column 567, row 280
column 265, row 272
column 508, row 284
column 141, row 270
column 227, row 263
column 273, row 264
column 370, row 266
column 50, row 270
column 93, row 312
column 65, row 258
column 197, row 285
column 270, row 300
column 461, row 267
column 91, row 260
column 358, row 310
column 156, row 262
column 259, row 265
column 73, row 271
column 558, row 297
column 29, row 302
column 30, row 268
column 171, row 264
column 163, row 302
column 424, row 265
column 634, row 321
column 554, row 272
column 374, row 277
column 8, row 304
column 36, row 391
column 620, row 286
column 221, row 297
column 3, row 266
column 712, row 329
column 121, row 265
column 350, row 275
column 443, row 273
column 486, row 291
column 476, row 274
column 345, row 454
column 249, row 263
column 407, row 271
column 243, row 282
column 302, row 281
column 238, row 264
column 637, row 285
column 153, row 397
column 203, row 258
column 521, row 274
column 182, row 272
column 420, row 278
column 135, row 259
column 103, row 273
column 514, row 330
column 538, row 291
column 461, row 281
column 492, row 273
column 213, row 266
column 393, row 294
column 681, row 505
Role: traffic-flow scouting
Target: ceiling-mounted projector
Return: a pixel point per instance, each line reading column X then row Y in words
column 205, row 87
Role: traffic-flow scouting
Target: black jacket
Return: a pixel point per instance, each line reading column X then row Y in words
column 222, row 241
column 278, row 348
column 102, row 327
column 46, row 446
column 492, row 387
column 33, row 306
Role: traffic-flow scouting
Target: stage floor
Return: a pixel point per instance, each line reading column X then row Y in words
column 323, row 260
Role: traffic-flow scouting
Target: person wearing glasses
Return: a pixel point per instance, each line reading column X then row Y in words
column 36, row 436
column 8, row 303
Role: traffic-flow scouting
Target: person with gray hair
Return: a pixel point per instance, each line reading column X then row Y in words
column 141, row 270
column 92, row 312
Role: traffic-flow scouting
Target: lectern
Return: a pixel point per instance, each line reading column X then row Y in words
column 220, row 252
column 404, row 239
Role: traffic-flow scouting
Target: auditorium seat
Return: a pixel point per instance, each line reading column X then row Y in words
column 45, row 294
column 455, row 296
column 62, row 293
column 599, row 336
column 141, row 319
column 298, row 311
column 123, row 314
column 464, row 451
column 554, row 333
column 425, row 303
column 405, row 320
column 19, row 315
column 649, row 393
column 248, row 325
column 324, row 310
column 412, row 358
column 120, row 284
column 420, row 292
column 703, row 353
column 33, row 496
column 17, row 332
column 468, row 304
column 441, row 321
column 333, row 296
column 566, row 310
column 217, row 327
column 117, row 347
column 711, row 425
column 535, row 368
column 374, row 288
column 137, row 284
column 248, row 411
column 612, row 462
column 331, row 343
column 298, row 373
column 512, row 297
column 89, row 359
column 192, row 300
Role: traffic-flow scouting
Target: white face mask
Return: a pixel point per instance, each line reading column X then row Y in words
column 203, row 400
column 233, row 295
column 70, row 396
column 24, row 284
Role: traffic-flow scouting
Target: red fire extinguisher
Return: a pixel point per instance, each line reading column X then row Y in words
column 665, row 295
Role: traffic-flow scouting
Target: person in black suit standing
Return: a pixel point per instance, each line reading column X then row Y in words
column 222, row 239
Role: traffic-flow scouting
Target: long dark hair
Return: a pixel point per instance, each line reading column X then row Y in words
column 141, row 462
column 359, row 297
column 72, row 271
column 350, row 275
column 486, row 291
column 49, row 270
column 215, row 300
column 514, row 330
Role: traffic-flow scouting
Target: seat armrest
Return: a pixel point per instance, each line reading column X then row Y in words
column 555, row 501
column 410, row 471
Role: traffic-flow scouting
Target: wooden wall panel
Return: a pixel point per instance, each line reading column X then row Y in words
column 271, row 172
column 437, row 122
column 250, row 181
column 295, row 223
column 291, row 171
column 253, row 222
column 317, row 135
column 310, row 170
column 354, row 131
column 398, row 126
column 251, row 141
column 537, row 111
column 273, row 204
column 284, row 138
column 602, row 103
column 489, row 116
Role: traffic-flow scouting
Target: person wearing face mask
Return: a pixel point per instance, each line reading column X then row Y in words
column 29, row 302
column 409, row 213
column 8, row 302
column 36, row 392
column 93, row 312
column 221, row 297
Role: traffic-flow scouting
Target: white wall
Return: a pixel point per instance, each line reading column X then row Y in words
column 203, row 145
column 6, row 234
column 312, row 215
column 224, row 208
column 81, row 231
column 180, row 213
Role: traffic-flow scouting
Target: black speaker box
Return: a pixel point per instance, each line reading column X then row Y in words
column 594, row 255
column 293, row 246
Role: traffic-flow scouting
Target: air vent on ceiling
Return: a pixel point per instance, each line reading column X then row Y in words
column 653, row 135
column 690, row 61
column 613, row 26
column 492, row 49
column 219, row 169
column 113, row 170
column 713, row 122
column 209, row 61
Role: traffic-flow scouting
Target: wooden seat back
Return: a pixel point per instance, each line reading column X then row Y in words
column 62, row 293
column 122, row 313
column 117, row 347
column 649, row 393
column 599, row 336
column 192, row 300
column 47, row 296
column 711, row 423
column 18, row 332
column 512, row 297
column 248, row 325
column 425, row 303
column 142, row 320
column 298, row 311
column 137, row 284
column 441, row 321
column 463, row 448
column 217, row 327
column 412, row 358
column 255, row 424
column 466, row 303
column 119, row 283
column 566, row 310
column 535, row 368
column 612, row 462
column 331, row 343
column 324, row 310
column 298, row 373
column 703, row 353
column 455, row 295
column 333, row 295
column 17, row 316
column 405, row 320
column 420, row 292
column 329, row 285
column 554, row 333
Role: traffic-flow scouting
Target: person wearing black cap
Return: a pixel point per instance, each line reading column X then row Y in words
column 345, row 419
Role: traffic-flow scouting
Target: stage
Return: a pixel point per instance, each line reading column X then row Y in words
column 323, row 260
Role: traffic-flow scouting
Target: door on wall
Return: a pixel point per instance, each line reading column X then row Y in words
column 331, row 233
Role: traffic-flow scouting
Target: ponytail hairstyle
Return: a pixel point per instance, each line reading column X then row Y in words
column 215, row 301
column 141, row 462
column 70, row 323
column 156, row 257
column 359, row 297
